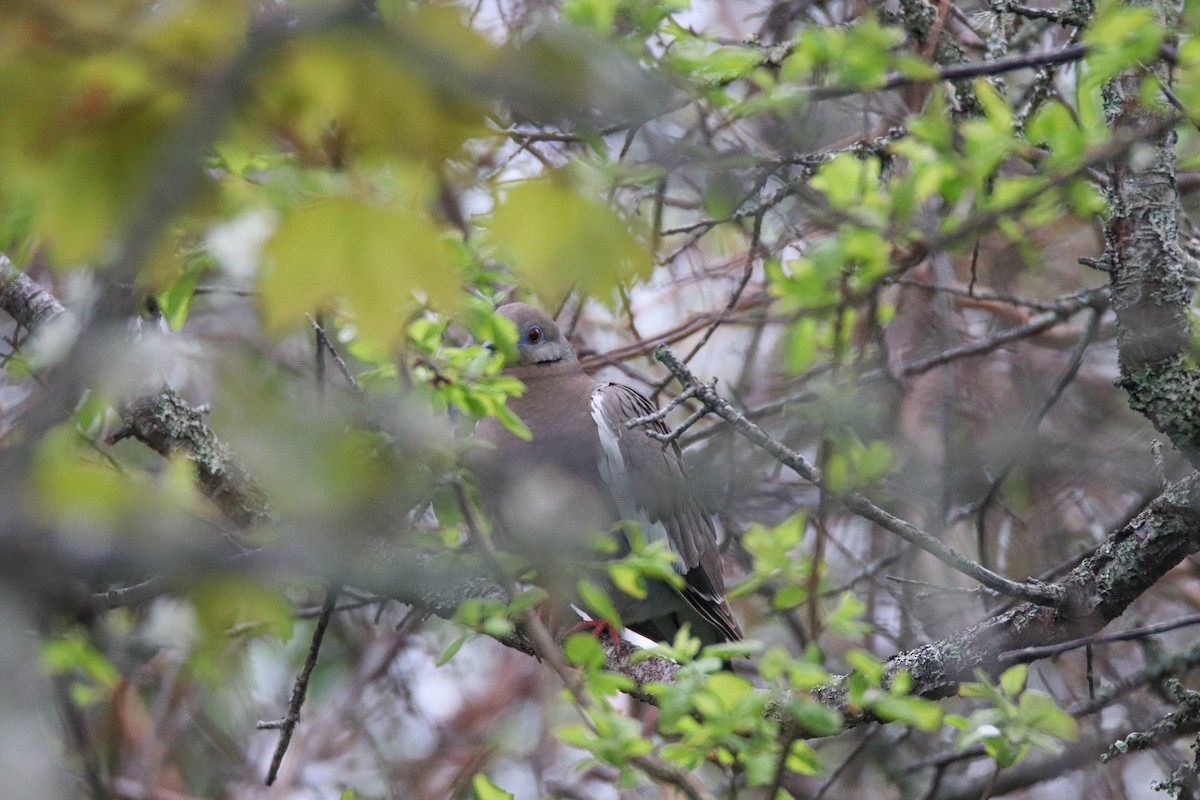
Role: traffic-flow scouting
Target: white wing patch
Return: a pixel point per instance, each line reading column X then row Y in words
column 614, row 473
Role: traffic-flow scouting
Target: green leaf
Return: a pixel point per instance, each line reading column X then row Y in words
column 176, row 301
column 1120, row 36
column 62, row 655
column 760, row 768
column 1004, row 752
column 866, row 665
column 874, row 461
column 815, row 718
column 730, row 689
column 76, row 138
column 846, row 617
column 837, row 472
column 450, row 651
column 804, row 674
column 789, row 596
column 598, row 602
column 802, row 344
column 384, row 97
column 628, row 579
column 512, row 423
column 486, row 790
column 226, row 604
column 528, row 599
column 377, row 259
column 1012, row 681
column 916, row 711
column 1038, row 711
column 803, row 760
column 583, row 650
column 576, row 735
column 557, row 239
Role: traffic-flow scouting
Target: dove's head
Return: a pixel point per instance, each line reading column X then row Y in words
column 539, row 341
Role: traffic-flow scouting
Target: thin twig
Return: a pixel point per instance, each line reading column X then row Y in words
column 1033, row 327
column 660, row 414
column 130, row 595
column 841, row 768
column 856, row 502
column 323, row 341
column 935, row 589
column 1046, row 651
column 747, row 271
column 1031, row 426
column 77, row 731
column 952, row 72
column 679, row 430
column 287, row 725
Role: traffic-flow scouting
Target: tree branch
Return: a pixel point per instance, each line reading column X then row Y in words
column 168, row 425
column 1151, row 282
column 23, row 299
column 854, row 501
column 1096, row 591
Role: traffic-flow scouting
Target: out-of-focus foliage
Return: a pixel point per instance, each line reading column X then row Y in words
column 729, row 177
column 1014, row 721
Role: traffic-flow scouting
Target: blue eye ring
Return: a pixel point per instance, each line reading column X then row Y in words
column 533, row 335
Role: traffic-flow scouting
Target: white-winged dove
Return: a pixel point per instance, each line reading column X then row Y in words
column 583, row 472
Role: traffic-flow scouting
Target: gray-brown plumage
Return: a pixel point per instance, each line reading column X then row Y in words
column 582, row 472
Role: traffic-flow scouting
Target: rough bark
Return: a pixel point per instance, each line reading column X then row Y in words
column 1151, row 285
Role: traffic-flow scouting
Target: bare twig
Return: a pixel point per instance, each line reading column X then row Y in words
column 934, row 589
column 854, row 501
column 1031, row 426
column 1031, row 328
column 323, row 342
column 679, row 430
column 1046, row 651
column 660, row 414
column 747, row 271
column 287, row 725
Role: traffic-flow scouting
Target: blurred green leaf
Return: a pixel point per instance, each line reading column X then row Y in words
column 65, row 654
column 558, row 239
column 379, row 260
column 598, row 602
column 450, row 651
column 1119, row 36
column 486, row 790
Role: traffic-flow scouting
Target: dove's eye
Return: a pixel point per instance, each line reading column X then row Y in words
column 534, row 336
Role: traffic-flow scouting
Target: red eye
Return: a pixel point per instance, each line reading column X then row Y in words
column 534, row 336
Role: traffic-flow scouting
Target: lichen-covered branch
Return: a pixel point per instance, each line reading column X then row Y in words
column 22, row 298
column 168, row 425
column 1125, row 565
column 1151, row 285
